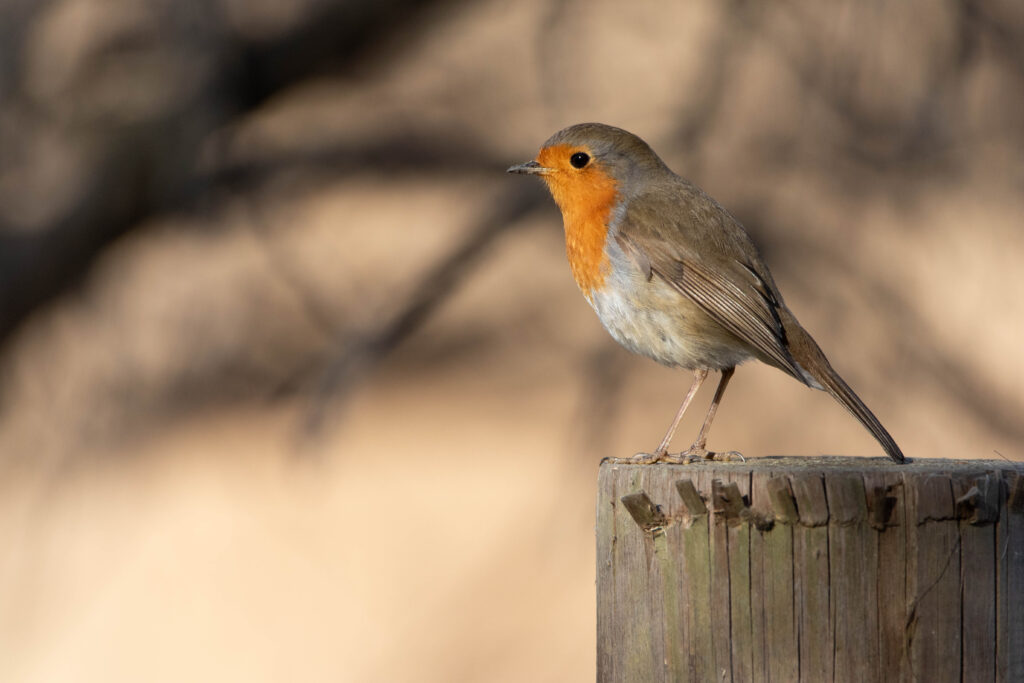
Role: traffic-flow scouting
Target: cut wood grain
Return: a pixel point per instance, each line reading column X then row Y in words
column 811, row 569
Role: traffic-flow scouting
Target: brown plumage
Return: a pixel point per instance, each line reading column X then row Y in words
column 672, row 275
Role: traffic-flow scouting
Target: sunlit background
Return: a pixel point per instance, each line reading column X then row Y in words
column 294, row 381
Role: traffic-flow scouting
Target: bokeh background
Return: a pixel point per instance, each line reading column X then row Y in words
column 294, row 381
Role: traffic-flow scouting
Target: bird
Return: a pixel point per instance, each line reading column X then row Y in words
column 674, row 277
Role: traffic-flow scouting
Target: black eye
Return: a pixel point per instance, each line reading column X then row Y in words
column 579, row 159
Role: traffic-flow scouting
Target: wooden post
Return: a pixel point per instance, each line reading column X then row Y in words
column 811, row 569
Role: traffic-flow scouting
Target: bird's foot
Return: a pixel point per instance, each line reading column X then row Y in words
column 639, row 459
column 684, row 458
column 697, row 453
column 727, row 456
column 689, row 456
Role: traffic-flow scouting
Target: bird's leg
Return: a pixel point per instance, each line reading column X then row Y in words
column 702, row 436
column 698, row 450
column 698, row 379
column 662, row 451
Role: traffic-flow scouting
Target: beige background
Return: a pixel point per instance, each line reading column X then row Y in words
column 166, row 514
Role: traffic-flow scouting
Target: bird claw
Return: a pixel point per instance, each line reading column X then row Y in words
column 726, row 456
column 698, row 454
column 687, row 457
column 684, row 458
column 639, row 459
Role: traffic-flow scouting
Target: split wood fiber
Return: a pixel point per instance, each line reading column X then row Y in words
column 811, row 569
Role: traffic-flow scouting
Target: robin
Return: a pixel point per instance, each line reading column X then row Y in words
column 673, row 276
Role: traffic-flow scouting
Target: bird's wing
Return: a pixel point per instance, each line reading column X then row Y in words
column 693, row 244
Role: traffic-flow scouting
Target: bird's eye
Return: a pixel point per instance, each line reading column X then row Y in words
column 579, row 159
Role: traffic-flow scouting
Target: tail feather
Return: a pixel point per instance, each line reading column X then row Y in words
column 811, row 359
column 842, row 392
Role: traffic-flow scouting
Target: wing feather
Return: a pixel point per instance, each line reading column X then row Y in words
column 698, row 248
column 738, row 309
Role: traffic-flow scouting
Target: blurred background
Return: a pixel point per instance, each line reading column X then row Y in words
column 294, row 380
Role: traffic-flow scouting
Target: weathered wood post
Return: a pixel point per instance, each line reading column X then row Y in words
column 811, row 569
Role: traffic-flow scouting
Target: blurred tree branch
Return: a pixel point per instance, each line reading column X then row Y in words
column 357, row 354
column 135, row 161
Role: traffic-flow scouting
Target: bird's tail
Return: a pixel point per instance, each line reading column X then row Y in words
column 812, row 360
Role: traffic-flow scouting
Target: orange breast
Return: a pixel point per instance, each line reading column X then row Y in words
column 586, row 198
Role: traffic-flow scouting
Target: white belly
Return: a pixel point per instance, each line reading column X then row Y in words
column 651, row 318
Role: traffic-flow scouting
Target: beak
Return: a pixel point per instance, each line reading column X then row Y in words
column 529, row 168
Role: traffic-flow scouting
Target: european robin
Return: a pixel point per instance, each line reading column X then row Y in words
column 673, row 276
